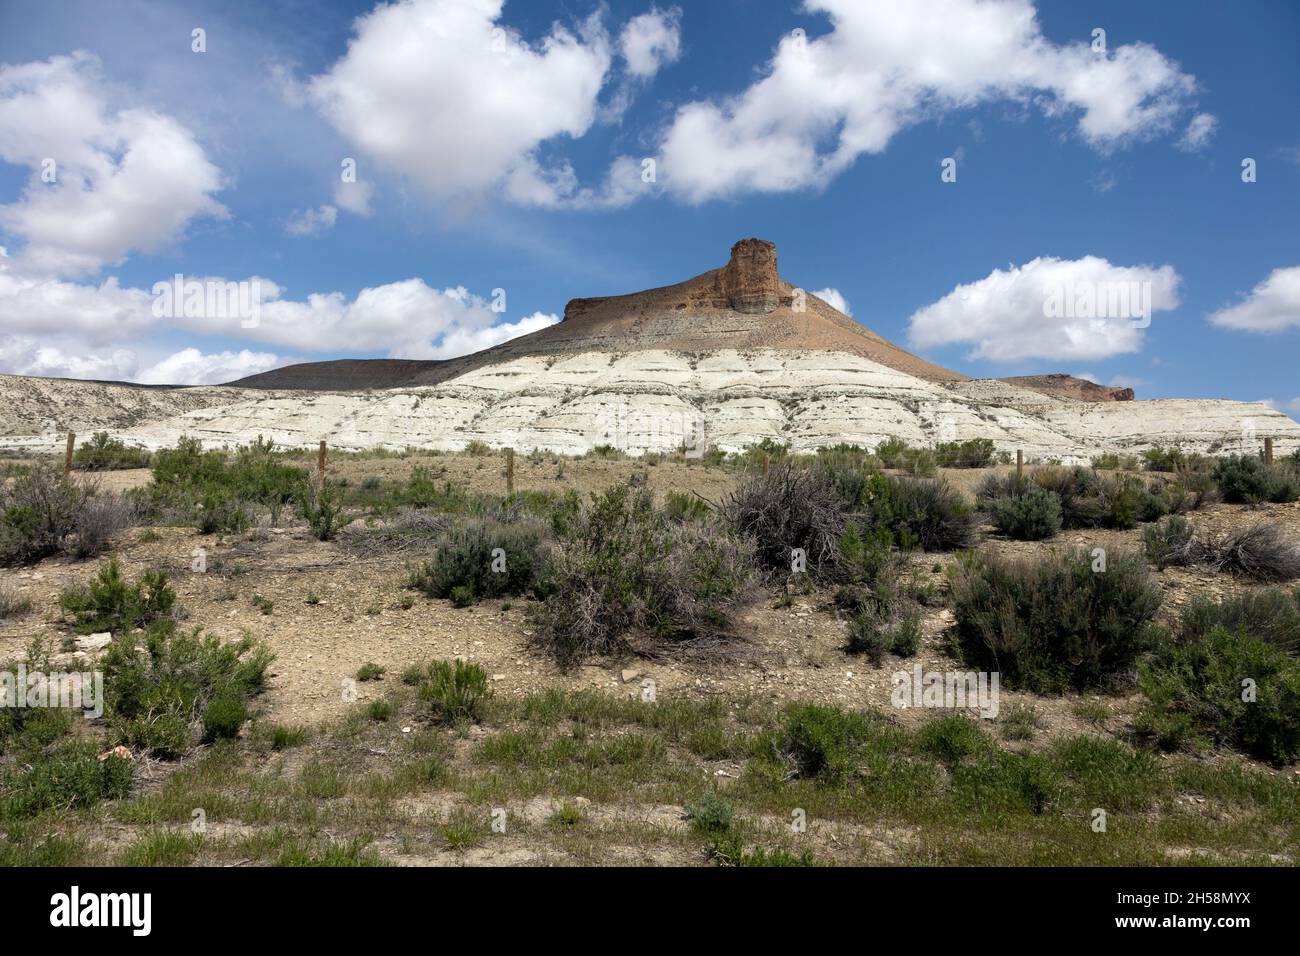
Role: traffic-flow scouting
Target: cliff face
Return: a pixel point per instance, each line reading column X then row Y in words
column 749, row 282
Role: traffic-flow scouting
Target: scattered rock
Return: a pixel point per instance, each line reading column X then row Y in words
column 92, row 643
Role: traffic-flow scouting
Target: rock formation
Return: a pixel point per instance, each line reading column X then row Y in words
column 1062, row 385
column 728, row 359
column 749, row 281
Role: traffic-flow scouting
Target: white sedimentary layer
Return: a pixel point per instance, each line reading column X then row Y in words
column 646, row 401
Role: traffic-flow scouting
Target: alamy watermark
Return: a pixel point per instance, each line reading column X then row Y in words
column 958, row 690
column 183, row 298
column 70, row 690
column 652, row 431
column 1102, row 299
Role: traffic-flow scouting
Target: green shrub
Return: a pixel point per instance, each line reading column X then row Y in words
column 820, row 741
column 421, row 490
column 1244, row 479
column 1033, row 515
column 1055, row 623
column 885, row 623
column 905, row 638
column 710, row 813
column 1125, row 500
column 897, row 454
column 848, row 468
column 1272, row 615
column 321, row 504
column 867, row 559
column 223, row 717
column 1164, row 459
column 975, row 453
column 369, row 671
column 37, row 513
column 952, row 738
column 220, row 510
column 927, row 512
column 1090, row 500
column 621, row 568
column 482, row 558
column 412, row 674
column 219, row 493
column 1198, row 691
column 186, row 464
column 1078, row 490
column 32, row 728
column 679, row 506
column 455, row 691
column 1167, row 542
column 111, row 603
column 994, row 486
column 102, row 453
column 71, row 775
column 159, row 685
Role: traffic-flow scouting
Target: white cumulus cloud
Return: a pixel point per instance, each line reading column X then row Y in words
column 189, row 366
column 823, row 101
column 834, row 299
column 1272, row 306
column 124, row 179
column 63, row 358
column 443, row 92
column 1067, row 309
column 406, row 319
column 652, row 40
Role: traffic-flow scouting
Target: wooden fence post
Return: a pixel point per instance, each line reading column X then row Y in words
column 510, row 471
column 765, row 466
column 67, row 455
column 320, row 462
column 1268, row 450
column 1020, row 463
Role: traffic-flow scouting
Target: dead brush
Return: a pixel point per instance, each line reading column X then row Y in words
column 102, row 517
column 411, row 530
column 789, row 507
column 1261, row 552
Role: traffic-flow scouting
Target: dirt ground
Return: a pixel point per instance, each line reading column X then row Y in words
column 365, row 614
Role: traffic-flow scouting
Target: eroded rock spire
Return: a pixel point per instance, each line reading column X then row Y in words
column 750, row 281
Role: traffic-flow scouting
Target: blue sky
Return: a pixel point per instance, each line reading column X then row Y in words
column 499, row 147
